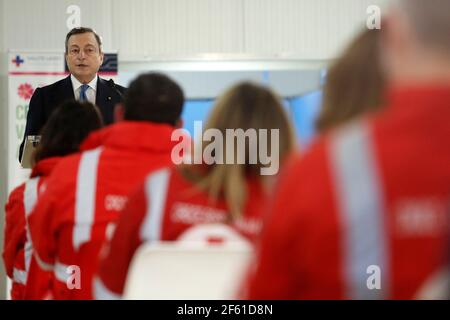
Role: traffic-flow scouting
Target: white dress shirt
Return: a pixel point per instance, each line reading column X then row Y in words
column 91, row 91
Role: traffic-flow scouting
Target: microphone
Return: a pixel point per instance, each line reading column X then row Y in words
column 113, row 86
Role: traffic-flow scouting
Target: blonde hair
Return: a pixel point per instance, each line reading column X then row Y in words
column 355, row 83
column 244, row 106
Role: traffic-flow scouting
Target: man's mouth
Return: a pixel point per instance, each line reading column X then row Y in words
column 82, row 65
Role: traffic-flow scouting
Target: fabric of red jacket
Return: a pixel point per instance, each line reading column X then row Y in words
column 15, row 237
column 185, row 206
column 304, row 247
column 127, row 152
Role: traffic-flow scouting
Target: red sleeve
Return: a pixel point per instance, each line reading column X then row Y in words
column 15, row 232
column 125, row 241
column 42, row 228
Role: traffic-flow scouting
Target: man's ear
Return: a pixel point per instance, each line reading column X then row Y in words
column 119, row 112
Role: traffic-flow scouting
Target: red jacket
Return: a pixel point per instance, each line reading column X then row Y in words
column 184, row 206
column 18, row 251
column 84, row 196
column 370, row 216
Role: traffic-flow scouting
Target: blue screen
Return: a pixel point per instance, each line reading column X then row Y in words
column 302, row 111
column 195, row 110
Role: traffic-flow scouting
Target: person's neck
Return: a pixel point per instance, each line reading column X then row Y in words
column 430, row 71
column 85, row 80
column 430, row 77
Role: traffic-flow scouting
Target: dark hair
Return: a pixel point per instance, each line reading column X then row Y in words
column 66, row 128
column 82, row 30
column 154, row 97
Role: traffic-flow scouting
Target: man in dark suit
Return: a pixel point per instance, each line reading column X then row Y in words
column 84, row 57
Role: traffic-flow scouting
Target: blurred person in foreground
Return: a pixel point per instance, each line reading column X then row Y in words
column 355, row 83
column 173, row 202
column 62, row 134
column 370, row 217
column 86, row 192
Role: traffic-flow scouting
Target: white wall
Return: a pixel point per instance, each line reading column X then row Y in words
column 177, row 27
column 41, row 24
column 311, row 29
column 307, row 29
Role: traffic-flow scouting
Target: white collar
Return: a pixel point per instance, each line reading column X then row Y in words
column 76, row 84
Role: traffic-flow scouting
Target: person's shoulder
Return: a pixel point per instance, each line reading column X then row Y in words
column 67, row 168
column 110, row 83
column 159, row 179
column 16, row 193
column 306, row 175
column 121, row 88
column 339, row 149
column 165, row 173
column 55, row 86
column 309, row 159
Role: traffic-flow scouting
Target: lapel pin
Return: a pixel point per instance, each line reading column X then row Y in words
column 109, row 98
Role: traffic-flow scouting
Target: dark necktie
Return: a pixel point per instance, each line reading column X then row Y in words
column 83, row 90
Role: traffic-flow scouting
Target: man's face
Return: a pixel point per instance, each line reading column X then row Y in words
column 83, row 56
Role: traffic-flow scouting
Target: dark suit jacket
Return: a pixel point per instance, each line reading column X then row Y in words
column 48, row 98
